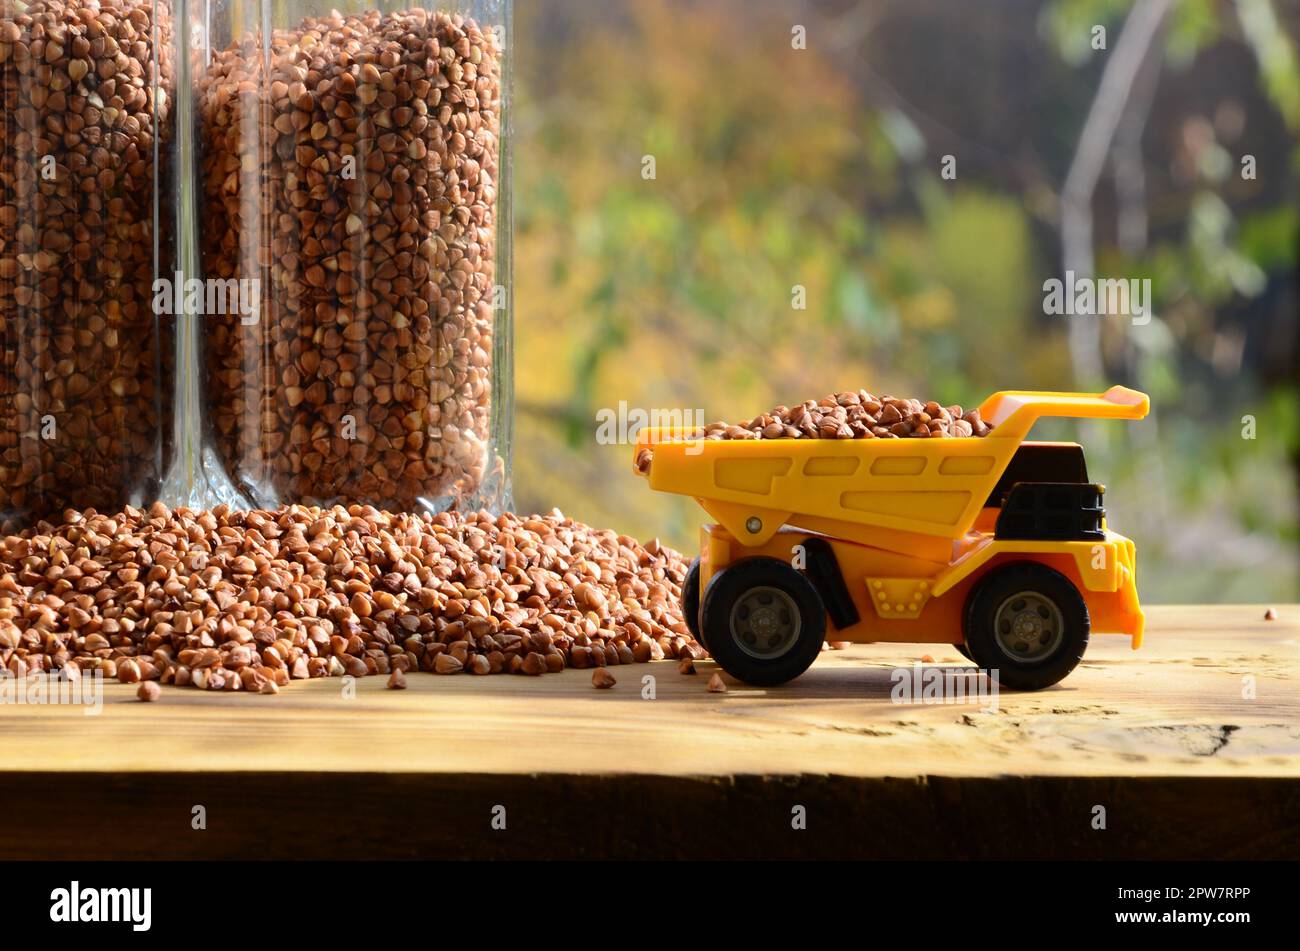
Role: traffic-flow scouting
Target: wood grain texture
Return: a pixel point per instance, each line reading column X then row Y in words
column 1164, row 738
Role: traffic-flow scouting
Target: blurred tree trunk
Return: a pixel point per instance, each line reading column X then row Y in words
column 1138, row 38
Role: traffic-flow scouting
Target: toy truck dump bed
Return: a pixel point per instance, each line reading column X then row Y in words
column 855, row 487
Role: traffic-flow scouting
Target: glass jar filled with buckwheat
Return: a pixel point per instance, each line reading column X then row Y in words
column 88, row 94
column 353, row 172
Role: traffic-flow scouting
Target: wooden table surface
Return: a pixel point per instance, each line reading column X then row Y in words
column 1190, row 745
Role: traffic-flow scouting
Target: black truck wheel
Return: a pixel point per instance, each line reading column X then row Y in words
column 1029, row 623
column 691, row 601
column 763, row 622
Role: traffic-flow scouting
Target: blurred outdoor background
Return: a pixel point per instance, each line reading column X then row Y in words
column 1172, row 154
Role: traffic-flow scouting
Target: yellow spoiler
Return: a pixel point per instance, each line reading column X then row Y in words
column 1014, row 412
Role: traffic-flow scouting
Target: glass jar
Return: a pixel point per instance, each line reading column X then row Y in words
column 354, row 176
column 85, row 228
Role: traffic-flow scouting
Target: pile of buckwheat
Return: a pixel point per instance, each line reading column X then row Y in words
column 230, row 600
column 856, row 414
column 853, row 414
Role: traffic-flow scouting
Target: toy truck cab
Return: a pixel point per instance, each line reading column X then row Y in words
column 997, row 545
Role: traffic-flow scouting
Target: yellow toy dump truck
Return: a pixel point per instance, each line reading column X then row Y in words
column 996, row 545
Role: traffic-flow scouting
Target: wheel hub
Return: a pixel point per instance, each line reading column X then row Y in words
column 1029, row 626
column 765, row 623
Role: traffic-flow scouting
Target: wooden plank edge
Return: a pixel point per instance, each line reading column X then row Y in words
column 297, row 815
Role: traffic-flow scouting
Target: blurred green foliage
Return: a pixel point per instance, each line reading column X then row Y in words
column 784, row 176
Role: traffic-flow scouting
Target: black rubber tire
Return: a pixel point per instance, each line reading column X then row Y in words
column 981, row 611
column 726, row 589
column 691, row 601
column 962, row 649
